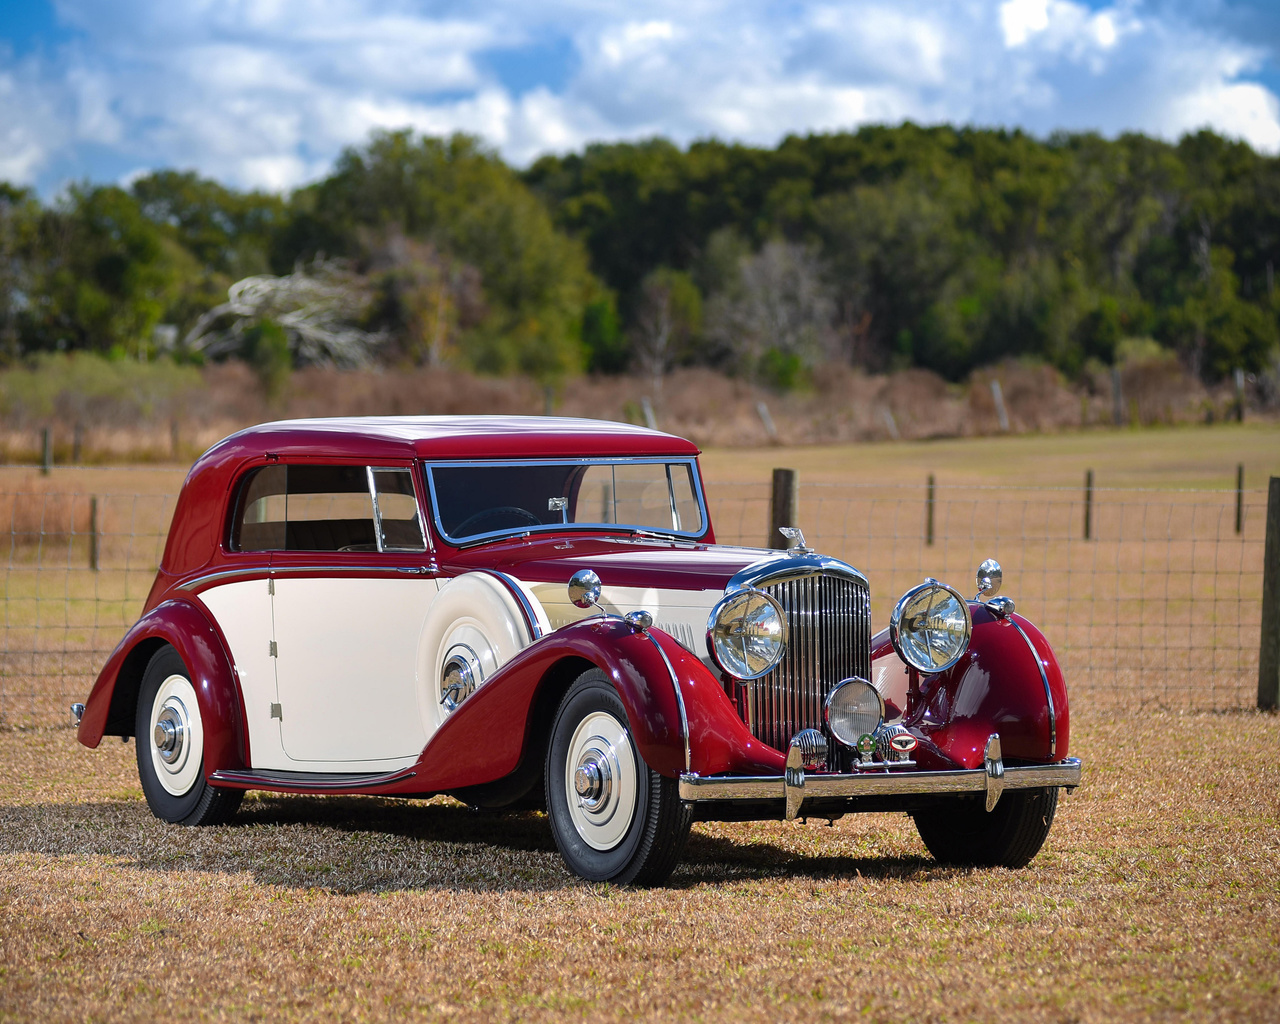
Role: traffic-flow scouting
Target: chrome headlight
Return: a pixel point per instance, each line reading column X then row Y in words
column 747, row 634
column 930, row 627
column 853, row 709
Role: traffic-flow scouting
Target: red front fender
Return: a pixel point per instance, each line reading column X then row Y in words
column 485, row 738
column 996, row 687
column 184, row 625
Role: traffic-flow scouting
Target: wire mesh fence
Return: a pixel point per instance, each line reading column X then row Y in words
column 77, row 570
column 1160, row 607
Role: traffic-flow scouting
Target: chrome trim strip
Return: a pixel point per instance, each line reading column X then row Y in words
column 695, row 788
column 605, row 460
column 377, row 513
column 684, row 717
column 1048, row 696
column 787, row 565
column 535, row 631
column 263, row 571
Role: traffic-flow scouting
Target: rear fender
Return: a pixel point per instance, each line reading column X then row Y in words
column 996, row 687
column 111, row 704
column 486, row 738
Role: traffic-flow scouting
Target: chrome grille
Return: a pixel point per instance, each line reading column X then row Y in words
column 829, row 618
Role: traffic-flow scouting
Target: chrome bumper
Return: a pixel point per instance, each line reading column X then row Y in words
column 795, row 786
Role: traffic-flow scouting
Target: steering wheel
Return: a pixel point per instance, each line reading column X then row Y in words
column 513, row 515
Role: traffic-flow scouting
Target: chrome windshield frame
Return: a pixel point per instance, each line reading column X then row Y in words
column 429, row 466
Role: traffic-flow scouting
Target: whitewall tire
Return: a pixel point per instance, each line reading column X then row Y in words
column 613, row 817
column 169, row 736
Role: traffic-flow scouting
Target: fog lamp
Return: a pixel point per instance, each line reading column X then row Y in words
column 854, row 708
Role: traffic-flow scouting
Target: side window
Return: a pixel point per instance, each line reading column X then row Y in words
column 327, row 508
column 398, row 510
column 259, row 524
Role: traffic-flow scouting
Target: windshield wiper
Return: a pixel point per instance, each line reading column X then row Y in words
column 637, row 531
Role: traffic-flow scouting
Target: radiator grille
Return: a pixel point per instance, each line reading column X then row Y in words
column 830, row 639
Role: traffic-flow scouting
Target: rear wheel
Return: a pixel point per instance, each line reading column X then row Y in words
column 614, row 819
column 1009, row 836
column 169, row 737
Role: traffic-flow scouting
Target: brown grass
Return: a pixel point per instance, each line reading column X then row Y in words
column 1156, row 897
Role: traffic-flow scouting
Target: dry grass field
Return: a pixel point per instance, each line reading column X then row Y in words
column 1157, row 895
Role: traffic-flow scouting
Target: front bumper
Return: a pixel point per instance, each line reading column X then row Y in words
column 796, row 786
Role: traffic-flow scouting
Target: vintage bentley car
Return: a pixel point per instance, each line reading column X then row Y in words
column 533, row 613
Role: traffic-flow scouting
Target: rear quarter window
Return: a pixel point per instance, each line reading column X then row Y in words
column 305, row 508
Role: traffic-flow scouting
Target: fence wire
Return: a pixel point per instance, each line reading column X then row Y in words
column 1161, row 607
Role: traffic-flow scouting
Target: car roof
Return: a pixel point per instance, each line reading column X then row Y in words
column 458, row 437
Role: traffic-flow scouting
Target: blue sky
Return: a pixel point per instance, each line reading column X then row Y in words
column 265, row 93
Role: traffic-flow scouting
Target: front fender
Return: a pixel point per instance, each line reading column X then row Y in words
column 485, row 738
column 996, row 687
column 184, row 625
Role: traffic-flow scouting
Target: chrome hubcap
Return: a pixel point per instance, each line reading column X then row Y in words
column 592, row 781
column 170, row 734
column 600, row 780
column 177, row 735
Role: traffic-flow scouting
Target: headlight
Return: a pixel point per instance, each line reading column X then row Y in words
column 747, row 634
column 853, row 709
column 930, row 627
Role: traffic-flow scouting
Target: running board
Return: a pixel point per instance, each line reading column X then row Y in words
column 306, row 781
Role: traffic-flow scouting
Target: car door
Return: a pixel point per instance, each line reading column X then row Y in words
column 352, row 589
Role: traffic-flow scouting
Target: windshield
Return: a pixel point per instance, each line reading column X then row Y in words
column 479, row 501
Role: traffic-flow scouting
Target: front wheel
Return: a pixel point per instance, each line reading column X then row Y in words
column 169, row 737
column 1008, row 836
column 614, row 818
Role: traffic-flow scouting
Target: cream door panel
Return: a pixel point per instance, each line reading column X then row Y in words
column 243, row 613
column 347, row 671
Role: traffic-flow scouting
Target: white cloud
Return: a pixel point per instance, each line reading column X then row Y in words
column 266, row 92
column 1021, row 19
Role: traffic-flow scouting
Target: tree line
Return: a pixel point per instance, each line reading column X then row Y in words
column 887, row 247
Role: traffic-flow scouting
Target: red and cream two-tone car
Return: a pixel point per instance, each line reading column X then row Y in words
column 533, row 612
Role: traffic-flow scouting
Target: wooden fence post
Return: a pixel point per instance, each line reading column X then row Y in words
column 95, row 551
column 46, row 451
column 1088, row 504
column 1239, row 498
column 928, row 513
column 1269, row 648
column 784, row 505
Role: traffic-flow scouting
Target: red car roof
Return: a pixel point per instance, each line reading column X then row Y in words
column 459, row 437
column 200, row 514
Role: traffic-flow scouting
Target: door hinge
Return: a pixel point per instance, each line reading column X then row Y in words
column 271, row 586
column 272, row 650
column 276, row 712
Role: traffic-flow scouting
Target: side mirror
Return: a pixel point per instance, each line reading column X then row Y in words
column 990, row 576
column 584, row 589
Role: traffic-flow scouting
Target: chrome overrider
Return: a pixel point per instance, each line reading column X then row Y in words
column 794, row 786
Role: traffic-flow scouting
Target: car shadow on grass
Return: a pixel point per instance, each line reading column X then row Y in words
column 353, row 845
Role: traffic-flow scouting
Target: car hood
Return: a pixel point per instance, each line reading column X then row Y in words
column 631, row 562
